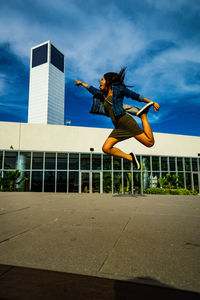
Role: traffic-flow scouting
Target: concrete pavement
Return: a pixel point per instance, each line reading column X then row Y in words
column 152, row 239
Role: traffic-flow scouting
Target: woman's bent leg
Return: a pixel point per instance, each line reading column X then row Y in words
column 146, row 138
column 109, row 149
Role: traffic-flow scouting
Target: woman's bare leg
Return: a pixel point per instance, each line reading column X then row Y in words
column 146, row 138
column 109, row 149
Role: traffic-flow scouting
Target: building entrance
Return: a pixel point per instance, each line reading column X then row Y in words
column 91, row 182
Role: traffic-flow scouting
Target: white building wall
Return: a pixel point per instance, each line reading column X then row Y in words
column 40, row 137
column 38, row 94
column 56, row 96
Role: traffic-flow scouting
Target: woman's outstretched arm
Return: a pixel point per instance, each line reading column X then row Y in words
column 78, row 83
column 156, row 106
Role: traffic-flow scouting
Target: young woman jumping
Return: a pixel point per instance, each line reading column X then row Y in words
column 108, row 101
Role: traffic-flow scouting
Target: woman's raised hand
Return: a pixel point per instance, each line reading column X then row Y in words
column 78, row 82
column 156, row 106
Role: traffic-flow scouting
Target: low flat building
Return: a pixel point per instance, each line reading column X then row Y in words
column 58, row 158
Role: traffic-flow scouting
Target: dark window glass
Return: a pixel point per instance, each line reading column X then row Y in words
column 11, row 160
column 117, row 182
column 24, row 186
column 136, row 182
column 180, row 180
column 146, row 163
column 62, row 161
column 96, row 162
column 164, row 166
column 155, row 163
column 62, row 181
column 36, row 185
column 57, row 58
column 107, row 162
column 85, row 182
column 127, row 182
column 172, row 164
column 1, row 159
column 73, row 182
column 107, row 182
column 194, row 164
column 39, row 55
column 117, row 163
column 187, row 164
column 38, row 160
column 180, row 163
column 49, row 181
column 96, row 182
column 188, row 181
column 24, row 162
column 85, row 162
column 126, row 164
column 73, row 161
column 50, row 161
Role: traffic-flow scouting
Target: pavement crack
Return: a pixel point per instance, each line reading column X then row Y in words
column 114, row 245
column 18, row 234
column 12, row 211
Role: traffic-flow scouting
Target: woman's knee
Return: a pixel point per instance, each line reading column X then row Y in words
column 106, row 149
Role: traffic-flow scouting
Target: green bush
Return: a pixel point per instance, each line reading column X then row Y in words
column 167, row 191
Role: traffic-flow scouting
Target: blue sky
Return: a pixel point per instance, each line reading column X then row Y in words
column 158, row 41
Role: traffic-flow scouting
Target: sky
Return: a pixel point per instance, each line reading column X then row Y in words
column 158, row 41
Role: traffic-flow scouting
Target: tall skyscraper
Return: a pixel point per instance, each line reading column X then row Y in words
column 47, row 85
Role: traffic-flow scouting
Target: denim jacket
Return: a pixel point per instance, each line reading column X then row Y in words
column 119, row 91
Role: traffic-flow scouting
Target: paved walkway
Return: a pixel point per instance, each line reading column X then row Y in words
column 151, row 240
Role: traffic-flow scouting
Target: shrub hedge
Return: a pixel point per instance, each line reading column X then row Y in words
column 167, row 191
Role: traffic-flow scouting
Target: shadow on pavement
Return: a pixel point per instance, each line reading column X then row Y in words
column 28, row 283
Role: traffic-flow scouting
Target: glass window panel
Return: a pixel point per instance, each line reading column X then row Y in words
column 50, row 161
column 85, row 182
column 85, row 162
column 73, row 161
column 194, row 164
column 73, row 182
column 62, row 161
column 107, row 165
column 187, row 164
column 127, row 182
column 49, row 181
column 57, row 58
column 146, row 163
column 172, row 165
column 37, row 160
column 146, row 180
column 196, row 182
column 36, row 184
column 107, row 182
column 154, row 179
column 188, row 181
column 126, row 164
column 155, row 163
column 10, row 160
column 117, row 163
column 39, row 55
column 24, row 161
column 1, row 159
column 24, row 186
column 181, row 180
column 96, row 162
column 61, row 182
column 164, row 166
column 117, row 182
column 180, row 163
column 96, row 182
column 136, row 182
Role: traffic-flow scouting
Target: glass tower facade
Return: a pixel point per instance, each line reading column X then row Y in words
column 96, row 173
